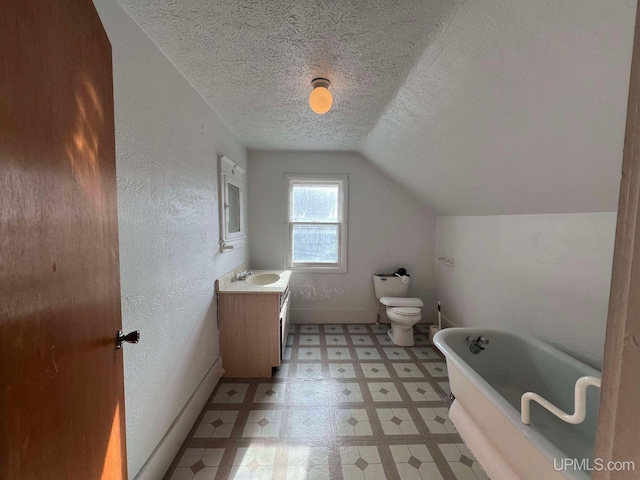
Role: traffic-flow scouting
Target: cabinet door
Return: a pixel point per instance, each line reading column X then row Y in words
column 249, row 334
column 284, row 325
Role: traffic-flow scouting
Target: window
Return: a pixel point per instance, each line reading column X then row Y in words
column 317, row 223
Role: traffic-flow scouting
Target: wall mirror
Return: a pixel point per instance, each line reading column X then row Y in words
column 232, row 230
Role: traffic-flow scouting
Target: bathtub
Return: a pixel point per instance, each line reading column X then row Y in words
column 486, row 411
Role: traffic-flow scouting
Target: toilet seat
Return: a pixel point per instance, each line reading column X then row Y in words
column 405, row 310
column 401, row 302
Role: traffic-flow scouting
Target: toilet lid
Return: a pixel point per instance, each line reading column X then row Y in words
column 405, row 310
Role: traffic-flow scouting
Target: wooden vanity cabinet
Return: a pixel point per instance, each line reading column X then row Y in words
column 253, row 329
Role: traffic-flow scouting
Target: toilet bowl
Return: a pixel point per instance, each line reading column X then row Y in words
column 403, row 312
column 402, row 319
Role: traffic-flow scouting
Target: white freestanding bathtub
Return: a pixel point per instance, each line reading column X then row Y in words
column 488, row 387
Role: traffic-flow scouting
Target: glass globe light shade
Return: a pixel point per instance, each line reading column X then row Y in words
column 320, row 100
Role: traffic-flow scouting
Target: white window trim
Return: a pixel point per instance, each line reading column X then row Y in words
column 343, row 205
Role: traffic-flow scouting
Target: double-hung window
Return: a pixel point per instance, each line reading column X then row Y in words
column 317, row 223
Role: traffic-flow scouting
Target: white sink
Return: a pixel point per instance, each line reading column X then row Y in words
column 263, row 279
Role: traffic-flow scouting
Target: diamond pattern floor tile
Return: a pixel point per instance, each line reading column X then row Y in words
column 346, row 403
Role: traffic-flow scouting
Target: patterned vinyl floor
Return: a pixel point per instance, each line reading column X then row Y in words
column 345, row 404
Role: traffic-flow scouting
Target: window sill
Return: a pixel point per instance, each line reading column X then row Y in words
column 309, row 269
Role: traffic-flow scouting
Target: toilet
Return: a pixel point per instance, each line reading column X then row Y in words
column 403, row 312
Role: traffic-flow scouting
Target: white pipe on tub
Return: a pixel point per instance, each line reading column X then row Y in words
column 580, row 402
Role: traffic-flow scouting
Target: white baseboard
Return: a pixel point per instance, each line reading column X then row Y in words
column 447, row 323
column 325, row 316
column 304, row 316
column 160, row 459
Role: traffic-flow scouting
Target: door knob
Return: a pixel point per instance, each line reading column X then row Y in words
column 131, row 337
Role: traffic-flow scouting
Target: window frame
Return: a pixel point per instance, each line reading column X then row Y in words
column 343, row 203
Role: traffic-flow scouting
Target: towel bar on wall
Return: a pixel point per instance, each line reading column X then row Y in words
column 580, row 402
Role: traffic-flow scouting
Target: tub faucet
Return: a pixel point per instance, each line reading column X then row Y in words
column 476, row 344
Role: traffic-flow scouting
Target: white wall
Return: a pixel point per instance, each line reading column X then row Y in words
column 388, row 229
column 167, row 142
column 547, row 276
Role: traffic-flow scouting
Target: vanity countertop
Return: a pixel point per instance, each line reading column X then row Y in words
column 243, row 287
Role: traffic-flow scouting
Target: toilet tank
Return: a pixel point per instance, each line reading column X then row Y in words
column 389, row 285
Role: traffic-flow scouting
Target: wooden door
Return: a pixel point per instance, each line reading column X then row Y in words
column 618, row 435
column 61, row 396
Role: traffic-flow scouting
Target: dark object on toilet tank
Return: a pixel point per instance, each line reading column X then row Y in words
column 401, row 271
column 384, row 276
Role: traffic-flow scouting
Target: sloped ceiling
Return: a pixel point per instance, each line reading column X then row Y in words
column 519, row 107
column 477, row 106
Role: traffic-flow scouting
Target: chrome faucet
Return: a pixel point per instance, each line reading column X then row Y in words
column 476, row 344
column 243, row 275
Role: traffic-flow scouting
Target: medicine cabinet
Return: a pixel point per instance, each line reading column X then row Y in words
column 232, row 228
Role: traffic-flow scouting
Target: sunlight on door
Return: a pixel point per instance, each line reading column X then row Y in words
column 115, row 455
column 83, row 148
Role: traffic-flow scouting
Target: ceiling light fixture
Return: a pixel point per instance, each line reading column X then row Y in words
column 320, row 99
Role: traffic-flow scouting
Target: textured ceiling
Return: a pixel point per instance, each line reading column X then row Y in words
column 253, row 60
column 478, row 107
